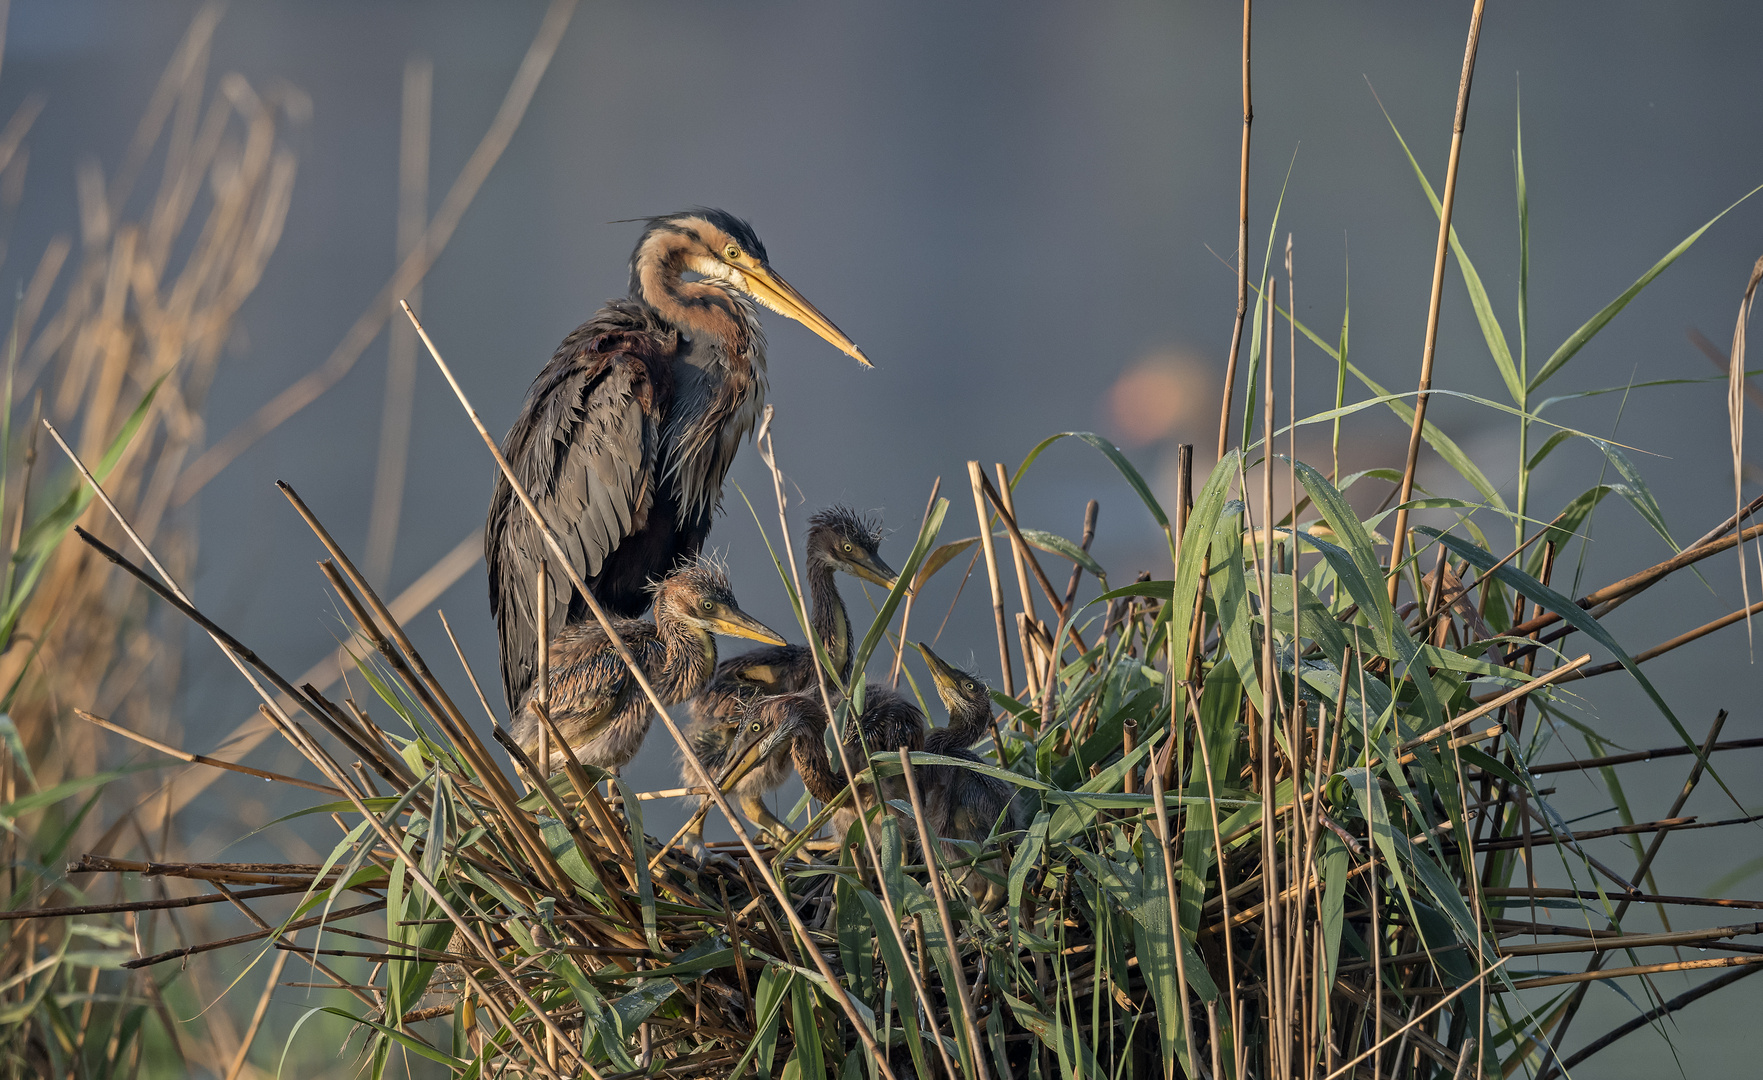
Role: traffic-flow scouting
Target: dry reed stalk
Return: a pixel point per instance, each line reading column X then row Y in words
column 768, row 454
column 399, row 406
column 132, row 315
column 1399, row 533
column 1236, row 334
column 978, row 479
column 1735, row 412
column 246, row 662
column 933, row 860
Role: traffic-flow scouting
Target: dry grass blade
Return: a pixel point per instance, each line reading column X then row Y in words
column 1735, row 412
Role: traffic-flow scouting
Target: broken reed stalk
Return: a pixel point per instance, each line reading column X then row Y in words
column 1399, row 533
column 978, row 480
column 1236, row 334
column 703, row 776
column 202, row 759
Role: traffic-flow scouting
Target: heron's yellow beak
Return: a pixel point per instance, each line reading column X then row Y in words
column 774, row 292
column 733, row 622
column 942, row 673
column 751, row 750
column 871, row 569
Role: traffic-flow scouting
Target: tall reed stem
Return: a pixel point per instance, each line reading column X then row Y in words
column 1399, row 537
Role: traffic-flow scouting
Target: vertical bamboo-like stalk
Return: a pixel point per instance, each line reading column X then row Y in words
column 1236, row 334
column 1089, row 534
column 933, row 863
column 396, row 413
column 1399, row 536
column 542, row 695
column 1008, row 498
column 1031, row 663
column 1272, row 931
column 906, row 609
column 986, row 545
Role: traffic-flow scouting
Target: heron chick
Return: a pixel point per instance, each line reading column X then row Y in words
column 839, row 541
column 964, row 808
column 796, row 724
column 595, row 702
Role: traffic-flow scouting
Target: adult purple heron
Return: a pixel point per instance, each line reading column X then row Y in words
column 626, row 435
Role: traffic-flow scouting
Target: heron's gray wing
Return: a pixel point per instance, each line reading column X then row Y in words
column 585, row 447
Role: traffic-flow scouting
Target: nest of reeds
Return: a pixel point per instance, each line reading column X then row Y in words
column 1308, row 840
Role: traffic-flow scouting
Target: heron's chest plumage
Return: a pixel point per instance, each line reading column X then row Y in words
column 719, row 393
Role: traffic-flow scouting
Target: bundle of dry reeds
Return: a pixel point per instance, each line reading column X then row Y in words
column 116, row 338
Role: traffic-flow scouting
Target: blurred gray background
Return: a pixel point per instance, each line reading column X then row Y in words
column 1024, row 213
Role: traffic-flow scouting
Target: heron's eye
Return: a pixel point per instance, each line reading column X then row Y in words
column 709, row 605
column 847, row 549
column 756, row 726
column 969, row 687
column 733, row 252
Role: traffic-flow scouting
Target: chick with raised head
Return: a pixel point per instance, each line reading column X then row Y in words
column 839, row 541
column 964, row 808
column 595, row 702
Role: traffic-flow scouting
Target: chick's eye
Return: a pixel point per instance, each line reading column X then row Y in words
column 709, row 605
column 732, row 251
column 847, row 547
column 756, row 726
column 968, row 687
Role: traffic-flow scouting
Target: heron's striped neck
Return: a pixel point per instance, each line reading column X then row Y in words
column 690, row 653
column 808, row 752
column 831, row 624
column 709, row 308
column 723, row 341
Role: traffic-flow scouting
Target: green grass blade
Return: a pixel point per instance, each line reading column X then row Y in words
column 1578, row 339
column 1523, row 247
column 927, row 535
column 1478, row 295
column 1113, row 454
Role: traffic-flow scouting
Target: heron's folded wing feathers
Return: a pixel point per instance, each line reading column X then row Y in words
column 585, row 447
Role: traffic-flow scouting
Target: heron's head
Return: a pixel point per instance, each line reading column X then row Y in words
column 963, row 692
column 698, row 594
column 842, row 539
column 724, row 252
column 768, row 725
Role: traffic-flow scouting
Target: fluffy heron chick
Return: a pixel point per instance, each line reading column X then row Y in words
column 596, row 704
column 795, row 724
column 839, row 541
column 965, row 808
